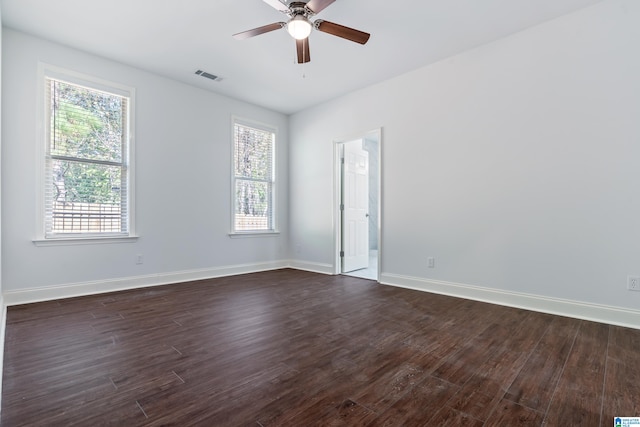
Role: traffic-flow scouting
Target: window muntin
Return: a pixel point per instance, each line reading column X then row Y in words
column 86, row 161
column 253, row 177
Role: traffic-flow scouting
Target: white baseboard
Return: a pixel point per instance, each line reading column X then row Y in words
column 576, row 309
column 314, row 267
column 48, row 293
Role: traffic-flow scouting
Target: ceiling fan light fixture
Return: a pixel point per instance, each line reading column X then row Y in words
column 299, row 27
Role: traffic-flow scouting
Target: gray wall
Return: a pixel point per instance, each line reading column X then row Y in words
column 514, row 165
column 183, row 186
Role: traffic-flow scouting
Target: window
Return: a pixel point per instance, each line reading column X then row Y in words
column 87, row 174
column 253, row 178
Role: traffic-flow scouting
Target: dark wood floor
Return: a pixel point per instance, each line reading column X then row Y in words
column 292, row 348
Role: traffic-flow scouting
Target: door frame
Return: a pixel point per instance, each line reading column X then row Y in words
column 337, row 190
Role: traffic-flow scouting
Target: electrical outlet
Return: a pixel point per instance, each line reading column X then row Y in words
column 633, row 283
column 139, row 259
column 431, row 262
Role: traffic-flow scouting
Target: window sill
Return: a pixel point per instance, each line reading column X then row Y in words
column 67, row 241
column 240, row 235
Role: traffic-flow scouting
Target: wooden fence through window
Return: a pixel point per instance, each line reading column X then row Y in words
column 72, row 217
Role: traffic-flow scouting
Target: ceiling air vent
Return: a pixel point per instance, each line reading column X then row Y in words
column 208, row 75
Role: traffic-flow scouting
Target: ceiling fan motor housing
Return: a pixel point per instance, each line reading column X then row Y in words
column 300, row 8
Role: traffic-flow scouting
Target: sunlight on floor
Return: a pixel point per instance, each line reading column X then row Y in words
column 368, row 273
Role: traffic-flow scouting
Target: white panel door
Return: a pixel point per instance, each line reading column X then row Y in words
column 355, row 201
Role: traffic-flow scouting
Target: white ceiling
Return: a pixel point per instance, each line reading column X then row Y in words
column 174, row 38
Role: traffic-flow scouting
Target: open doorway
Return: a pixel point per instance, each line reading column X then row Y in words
column 357, row 213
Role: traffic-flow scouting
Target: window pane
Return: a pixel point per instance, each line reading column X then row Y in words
column 86, row 182
column 253, row 149
column 85, row 123
column 86, row 198
column 253, row 200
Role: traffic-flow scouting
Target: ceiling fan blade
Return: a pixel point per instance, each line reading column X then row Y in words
column 302, row 46
column 278, row 5
column 342, row 31
column 316, row 6
column 260, row 30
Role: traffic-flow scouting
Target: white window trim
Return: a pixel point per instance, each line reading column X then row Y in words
column 51, row 71
column 274, row 196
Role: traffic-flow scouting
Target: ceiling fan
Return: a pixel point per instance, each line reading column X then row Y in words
column 299, row 26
